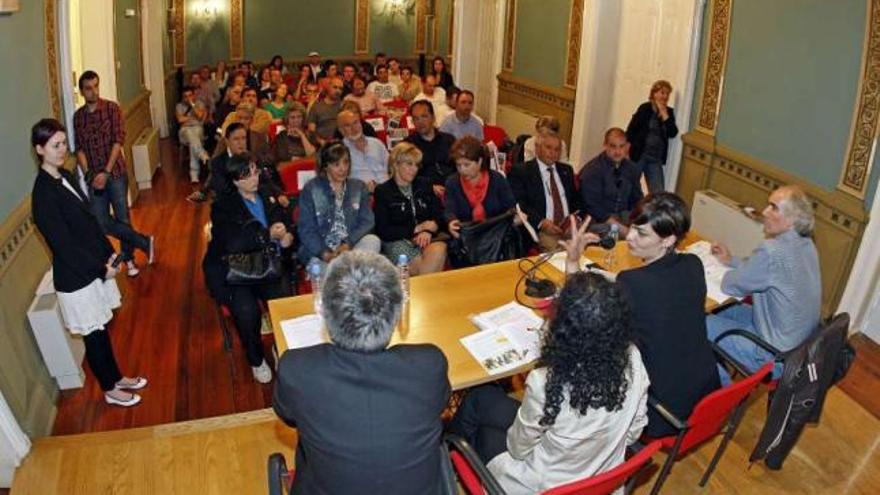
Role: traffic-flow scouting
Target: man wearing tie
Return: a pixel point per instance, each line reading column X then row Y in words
column 544, row 189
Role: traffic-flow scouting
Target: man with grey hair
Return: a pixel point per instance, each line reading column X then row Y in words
column 368, row 415
column 782, row 277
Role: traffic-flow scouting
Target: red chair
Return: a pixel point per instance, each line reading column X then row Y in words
column 477, row 480
column 273, row 130
column 722, row 407
column 280, row 478
column 494, row 134
column 290, row 173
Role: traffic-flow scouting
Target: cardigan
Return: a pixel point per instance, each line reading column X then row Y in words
column 499, row 198
column 637, row 130
column 394, row 212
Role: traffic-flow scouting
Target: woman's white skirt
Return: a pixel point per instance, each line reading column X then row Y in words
column 91, row 307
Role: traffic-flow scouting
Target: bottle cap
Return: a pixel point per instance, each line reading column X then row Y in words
column 402, row 259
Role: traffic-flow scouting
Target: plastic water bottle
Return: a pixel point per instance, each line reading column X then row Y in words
column 315, row 278
column 403, row 270
column 610, row 259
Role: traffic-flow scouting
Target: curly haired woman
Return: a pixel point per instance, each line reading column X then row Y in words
column 582, row 406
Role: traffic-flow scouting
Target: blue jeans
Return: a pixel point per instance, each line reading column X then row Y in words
column 653, row 170
column 118, row 225
column 745, row 351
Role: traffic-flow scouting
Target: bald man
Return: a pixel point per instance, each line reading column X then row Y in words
column 782, row 276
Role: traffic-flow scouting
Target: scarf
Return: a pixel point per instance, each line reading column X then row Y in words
column 476, row 194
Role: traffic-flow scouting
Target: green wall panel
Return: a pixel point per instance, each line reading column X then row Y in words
column 294, row 28
column 791, row 81
column 392, row 32
column 207, row 36
column 128, row 54
column 540, row 45
column 444, row 14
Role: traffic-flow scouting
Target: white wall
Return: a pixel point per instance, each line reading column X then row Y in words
column 478, row 40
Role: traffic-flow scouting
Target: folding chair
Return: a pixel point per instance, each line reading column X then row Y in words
column 494, row 134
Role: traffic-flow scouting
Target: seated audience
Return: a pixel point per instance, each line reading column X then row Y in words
column 434, row 145
column 394, row 71
column 349, row 72
column 447, row 106
column 244, row 220
column 649, row 131
column 384, row 90
column 583, row 404
column 260, row 119
column 410, row 86
column 544, row 124
column 610, row 185
column 335, row 214
column 367, row 415
column 322, row 115
column 474, row 193
column 350, row 106
column 331, row 72
column 544, row 188
column 316, row 69
column 294, row 142
column 278, row 106
column 430, row 92
column 204, row 91
column 461, row 123
column 264, row 92
column 234, row 142
column 783, row 278
column 277, row 63
column 220, row 76
column 441, row 73
column 365, row 72
column 380, row 59
column 305, row 78
column 191, row 114
column 667, row 296
column 250, row 78
column 409, row 214
column 368, row 155
column 230, row 101
column 367, row 100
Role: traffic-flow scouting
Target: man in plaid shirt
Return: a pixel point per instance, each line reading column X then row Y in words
column 100, row 134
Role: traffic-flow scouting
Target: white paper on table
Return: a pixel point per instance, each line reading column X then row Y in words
column 714, row 270
column 304, row 331
column 503, row 348
column 558, row 262
column 511, row 313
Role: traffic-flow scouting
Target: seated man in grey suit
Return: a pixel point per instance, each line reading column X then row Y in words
column 782, row 276
column 544, row 188
column 368, row 416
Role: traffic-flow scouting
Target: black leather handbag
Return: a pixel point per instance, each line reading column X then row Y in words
column 254, row 267
column 495, row 239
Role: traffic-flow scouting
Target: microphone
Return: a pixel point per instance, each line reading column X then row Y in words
column 540, row 288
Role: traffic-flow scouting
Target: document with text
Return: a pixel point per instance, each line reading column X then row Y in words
column 304, row 331
column 713, row 269
column 510, row 337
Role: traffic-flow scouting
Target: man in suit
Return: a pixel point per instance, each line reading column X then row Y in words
column 544, row 189
column 368, row 416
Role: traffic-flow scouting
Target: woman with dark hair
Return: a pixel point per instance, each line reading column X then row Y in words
column 278, row 63
column 295, row 141
column 649, row 132
column 583, row 404
column 667, row 296
column 474, row 193
column 335, row 214
column 244, row 220
column 441, row 73
column 83, row 261
column 408, row 213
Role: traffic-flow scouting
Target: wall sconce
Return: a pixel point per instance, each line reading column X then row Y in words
column 206, row 10
column 394, row 8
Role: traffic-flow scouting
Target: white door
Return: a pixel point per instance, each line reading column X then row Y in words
column 479, row 23
column 152, row 18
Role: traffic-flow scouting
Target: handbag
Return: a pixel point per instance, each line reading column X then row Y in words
column 489, row 241
column 254, row 267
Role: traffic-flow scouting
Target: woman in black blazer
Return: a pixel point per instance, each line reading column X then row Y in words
column 244, row 220
column 83, row 261
column 409, row 214
column 649, row 132
column 667, row 297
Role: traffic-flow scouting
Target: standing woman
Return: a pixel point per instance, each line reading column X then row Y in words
column 441, row 73
column 82, row 261
column 649, row 132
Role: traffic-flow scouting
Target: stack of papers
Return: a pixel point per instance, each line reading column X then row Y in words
column 714, row 270
column 510, row 337
column 304, row 331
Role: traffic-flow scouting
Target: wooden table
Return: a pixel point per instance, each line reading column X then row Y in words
column 442, row 302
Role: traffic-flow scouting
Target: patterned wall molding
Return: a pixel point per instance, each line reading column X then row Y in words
column 421, row 25
column 451, row 34
column 573, row 56
column 435, row 39
column 236, row 30
column 16, row 229
column 178, row 23
column 509, row 35
column 538, row 99
column 863, row 134
column 54, row 81
column 714, row 65
column 362, row 27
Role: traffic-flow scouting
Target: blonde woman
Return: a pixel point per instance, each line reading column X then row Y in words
column 408, row 213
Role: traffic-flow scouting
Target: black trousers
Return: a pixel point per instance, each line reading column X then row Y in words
column 483, row 419
column 99, row 355
column 244, row 304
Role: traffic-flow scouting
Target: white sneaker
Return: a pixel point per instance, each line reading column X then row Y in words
column 133, row 270
column 133, row 400
column 262, row 373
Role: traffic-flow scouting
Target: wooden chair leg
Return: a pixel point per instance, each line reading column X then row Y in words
column 224, row 326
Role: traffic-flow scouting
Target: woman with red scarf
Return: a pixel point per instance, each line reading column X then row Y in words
column 474, row 193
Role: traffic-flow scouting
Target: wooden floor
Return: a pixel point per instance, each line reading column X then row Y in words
column 167, row 328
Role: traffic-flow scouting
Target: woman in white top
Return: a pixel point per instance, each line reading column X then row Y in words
column 582, row 406
column 83, row 262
